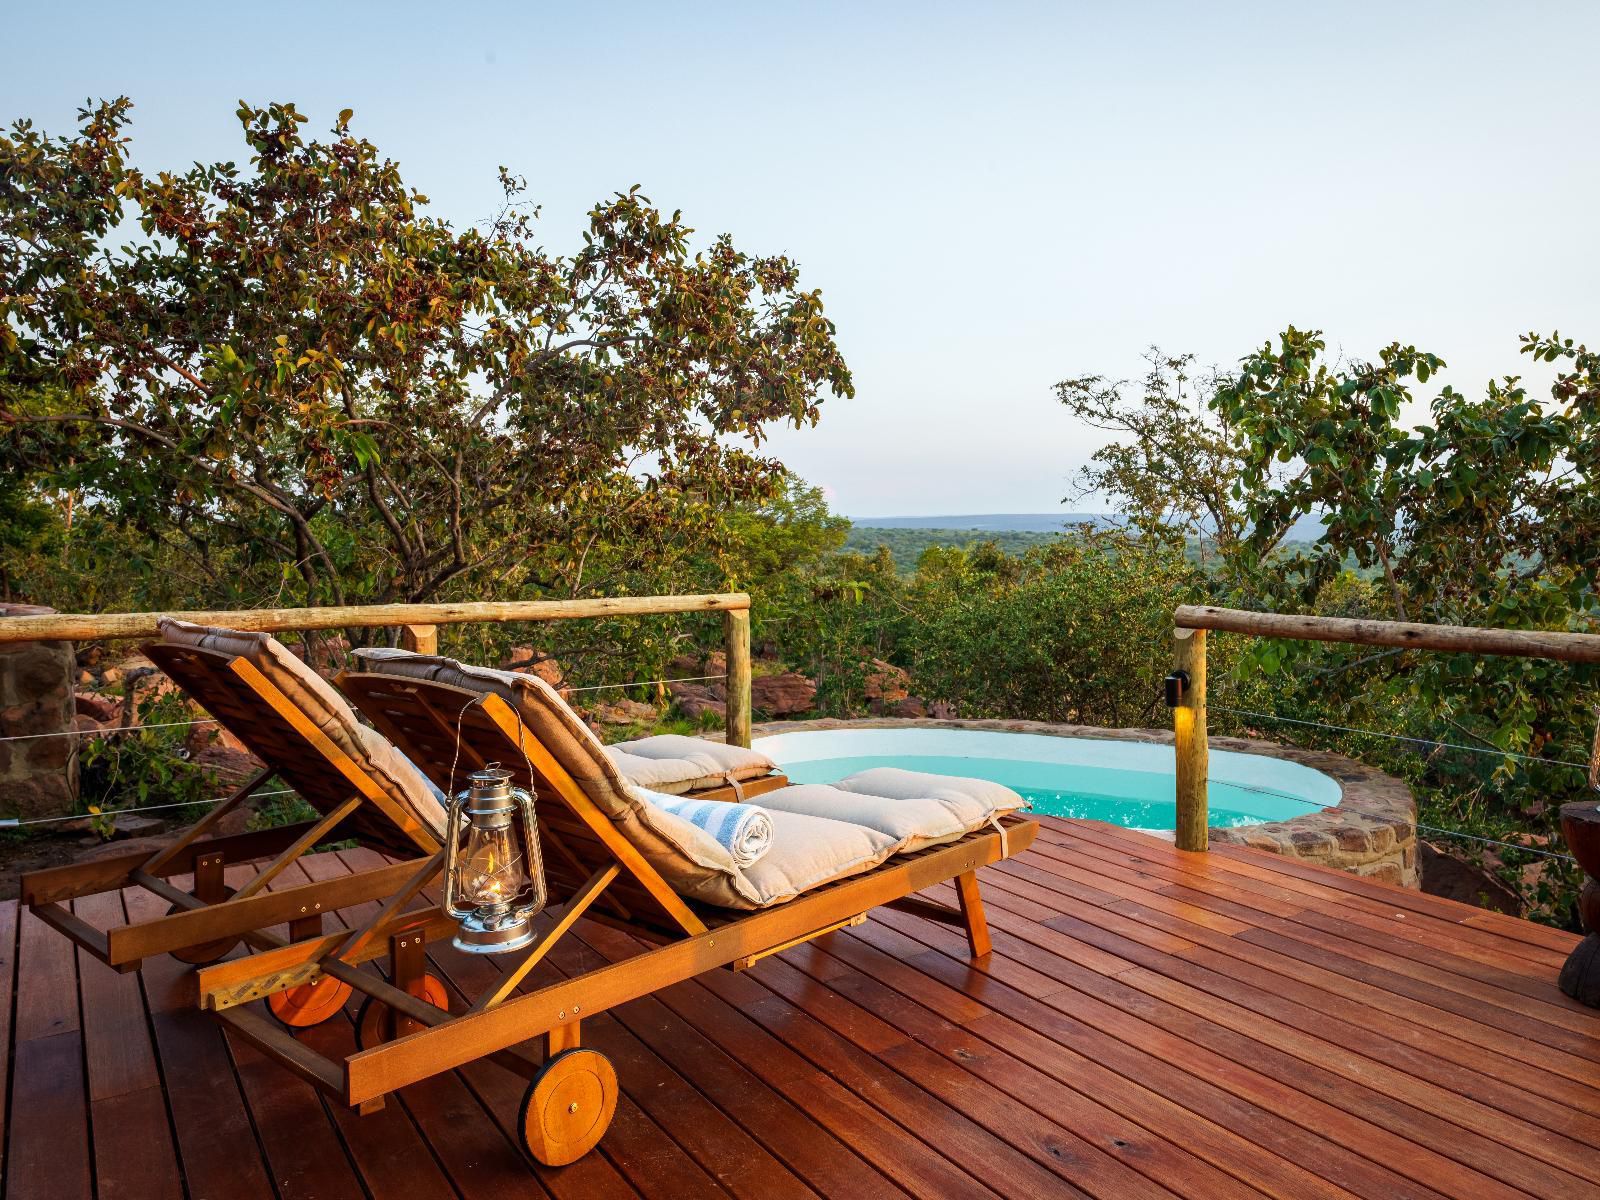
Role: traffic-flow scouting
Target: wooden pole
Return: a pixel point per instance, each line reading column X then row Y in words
column 1191, row 750
column 736, row 632
column 1462, row 639
column 86, row 626
column 420, row 639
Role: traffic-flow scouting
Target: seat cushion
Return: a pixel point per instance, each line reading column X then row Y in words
column 913, row 822
column 671, row 762
column 973, row 802
column 809, row 851
column 325, row 707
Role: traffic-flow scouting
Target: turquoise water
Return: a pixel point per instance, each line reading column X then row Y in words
column 1138, row 799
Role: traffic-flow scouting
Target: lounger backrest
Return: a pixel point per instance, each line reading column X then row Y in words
column 458, row 739
column 294, row 721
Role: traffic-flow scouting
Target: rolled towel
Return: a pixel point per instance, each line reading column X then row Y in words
column 743, row 830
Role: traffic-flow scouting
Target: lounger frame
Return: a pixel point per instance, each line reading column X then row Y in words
column 277, row 731
column 594, row 872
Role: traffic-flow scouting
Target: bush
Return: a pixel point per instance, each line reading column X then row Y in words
column 1079, row 632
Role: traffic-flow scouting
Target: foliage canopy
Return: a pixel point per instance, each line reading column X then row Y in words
column 294, row 363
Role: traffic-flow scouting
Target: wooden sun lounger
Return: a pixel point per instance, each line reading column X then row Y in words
column 206, row 923
column 592, row 871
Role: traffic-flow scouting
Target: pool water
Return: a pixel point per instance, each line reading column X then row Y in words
column 1121, row 782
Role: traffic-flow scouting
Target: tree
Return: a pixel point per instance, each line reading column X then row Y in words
column 296, row 363
column 1486, row 514
column 1170, row 462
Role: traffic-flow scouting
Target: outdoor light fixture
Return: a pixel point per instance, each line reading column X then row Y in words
column 493, row 873
column 1177, row 684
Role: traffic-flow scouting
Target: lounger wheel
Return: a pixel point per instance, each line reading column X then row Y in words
column 308, row 1004
column 373, row 1023
column 205, row 953
column 568, row 1107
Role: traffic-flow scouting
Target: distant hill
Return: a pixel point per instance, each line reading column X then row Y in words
column 988, row 522
column 1307, row 529
column 908, row 537
column 906, row 543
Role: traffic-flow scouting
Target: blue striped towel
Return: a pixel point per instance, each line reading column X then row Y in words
column 743, row 830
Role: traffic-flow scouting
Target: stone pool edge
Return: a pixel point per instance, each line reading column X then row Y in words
column 1371, row 832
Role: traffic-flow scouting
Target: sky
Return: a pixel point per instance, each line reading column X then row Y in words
column 991, row 197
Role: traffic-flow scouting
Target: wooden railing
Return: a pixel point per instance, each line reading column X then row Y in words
column 419, row 627
column 1189, row 657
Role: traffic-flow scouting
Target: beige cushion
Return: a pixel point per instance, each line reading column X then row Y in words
column 913, row 822
column 807, row 851
column 973, row 802
column 672, row 763
column 318, row 700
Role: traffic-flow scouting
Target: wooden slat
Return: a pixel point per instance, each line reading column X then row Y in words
column 243, row 913
column 115, row 871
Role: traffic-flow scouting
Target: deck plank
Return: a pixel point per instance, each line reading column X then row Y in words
column 8, row 993
column 1151, row 1023
column 1460, row 1126
column 134, row 1154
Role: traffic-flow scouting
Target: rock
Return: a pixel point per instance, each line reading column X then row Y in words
column 111, row 675
column 525, row 660
column 234, row 822
column 695, row 700
column 231, row 767
column 910, row 708
column 135, row 662
column 716, row 663
column 88, row 725
column 85, row 678
column 625, row 712
column 142, row 685
column 886, row 682
column 91, row 656
column 685, row 665
column 327, row 653
column 205, row 733
column 549, row 670
column 782, row 695
column 1446, row 874
column 102, row 709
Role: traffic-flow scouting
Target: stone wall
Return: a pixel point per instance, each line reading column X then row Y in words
column 1371, row 832
column 39, row 775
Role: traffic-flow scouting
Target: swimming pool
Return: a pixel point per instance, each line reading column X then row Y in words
column 1123, row 782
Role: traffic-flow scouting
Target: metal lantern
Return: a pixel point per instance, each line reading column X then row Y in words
column 493, row 873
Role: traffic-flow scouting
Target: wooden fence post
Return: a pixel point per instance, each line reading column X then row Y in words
column 420, row 639
column 736, row 632
column 1189, row 726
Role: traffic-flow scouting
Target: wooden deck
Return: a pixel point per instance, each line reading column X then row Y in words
column 1150, row 1024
